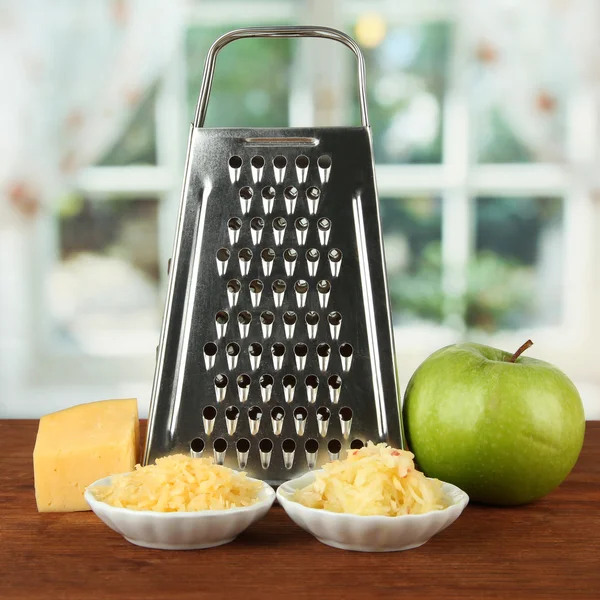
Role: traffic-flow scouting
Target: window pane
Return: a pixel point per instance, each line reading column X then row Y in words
column 251, row 83
column 137, row 143
column 406, row 80
column 516, row 277
column 104, row 289
column 412, row 233
column 505, row 137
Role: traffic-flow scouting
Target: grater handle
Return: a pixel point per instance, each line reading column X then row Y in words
column 279, row 32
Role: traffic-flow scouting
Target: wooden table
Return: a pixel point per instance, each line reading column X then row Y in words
column 548, row 549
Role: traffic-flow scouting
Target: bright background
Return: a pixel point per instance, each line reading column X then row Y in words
column 486, row 125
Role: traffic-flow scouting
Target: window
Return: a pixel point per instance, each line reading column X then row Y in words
column 485, row 235
column 103, row 292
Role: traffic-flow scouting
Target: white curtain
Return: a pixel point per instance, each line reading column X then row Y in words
column 70, row 76
column 528, row 56
column 72, row 72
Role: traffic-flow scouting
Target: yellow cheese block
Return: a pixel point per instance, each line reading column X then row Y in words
column 77, row 446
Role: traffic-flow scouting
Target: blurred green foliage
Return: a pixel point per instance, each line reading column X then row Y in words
column 501, row 284
column 251, row 83
column 411, row 60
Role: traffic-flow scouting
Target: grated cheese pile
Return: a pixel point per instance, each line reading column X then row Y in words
column 375, row 480
column 178, row 483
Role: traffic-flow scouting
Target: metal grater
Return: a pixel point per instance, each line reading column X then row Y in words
column 276, row 351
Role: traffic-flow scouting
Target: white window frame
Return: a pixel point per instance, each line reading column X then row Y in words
column 458, row 179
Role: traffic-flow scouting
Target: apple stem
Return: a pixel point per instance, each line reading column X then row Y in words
column 520, row 351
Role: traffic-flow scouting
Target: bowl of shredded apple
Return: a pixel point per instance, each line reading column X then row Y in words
column 375, row 500
column 180, row 503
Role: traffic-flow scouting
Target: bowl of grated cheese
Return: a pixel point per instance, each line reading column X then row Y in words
column 180, row 503
column 375, row 500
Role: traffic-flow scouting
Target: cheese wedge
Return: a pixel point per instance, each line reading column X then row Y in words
column 77, row 446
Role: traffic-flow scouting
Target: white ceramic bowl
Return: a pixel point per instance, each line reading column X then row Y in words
column 370, row 533
column 180, row 530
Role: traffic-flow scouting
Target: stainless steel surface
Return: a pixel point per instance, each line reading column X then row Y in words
column 304, row 354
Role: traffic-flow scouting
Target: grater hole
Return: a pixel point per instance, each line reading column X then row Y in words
column 288, row 445
column 312, row 381
column 244, row 318
column 234, row 286
column 334, row 318
column 289, row 381
column 232, row 413
column 312, row 255
column 290, row 193
column 324, row 224
column 311, row 446
column 278, row 286
column 324, row 162
column 280, row 162
column 258, row 162
column 301, row 286
column 268, row 193
column 346, row 413
column 235, row 224
column 313, row 193
column 197, row 445
column 245, row 255
column 257, row 223
column 255, row 349
column 220, row 445
column 300, row 349
column 266, row 380
column 301, row 223
column 356, row 444
column 290, row 255
column 279, row 224
column 256, row 286
column 302, row 162
column 254, row 413
column 346, row 350
column 290, row 317
column 323, row 287
column 235, row 162
column 335, row 382
column 242, row 445
column 266, row 386
column 221, row 381
column 265, row 445
column 278, row 349
column 210, row 349
column 268, row 255
column 334, row 446
column 246, row 193
column 323, row 413
column 323, row 350
column 312, row 318
column 300, row 413
column 222, row 317
column 223, row 255
column 233, row 349
column 277, row 413
column 267, row 317
column 209, row 413
column 335, row 255
column 243, row 381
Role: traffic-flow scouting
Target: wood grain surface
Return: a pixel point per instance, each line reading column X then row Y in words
column 549, row 549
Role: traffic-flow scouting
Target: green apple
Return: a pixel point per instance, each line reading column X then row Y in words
column 506, row 429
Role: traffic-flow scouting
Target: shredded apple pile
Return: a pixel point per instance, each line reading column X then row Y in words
column 178, row 483
column 375, row 480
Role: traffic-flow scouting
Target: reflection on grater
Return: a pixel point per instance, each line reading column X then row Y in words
column 276, row 353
